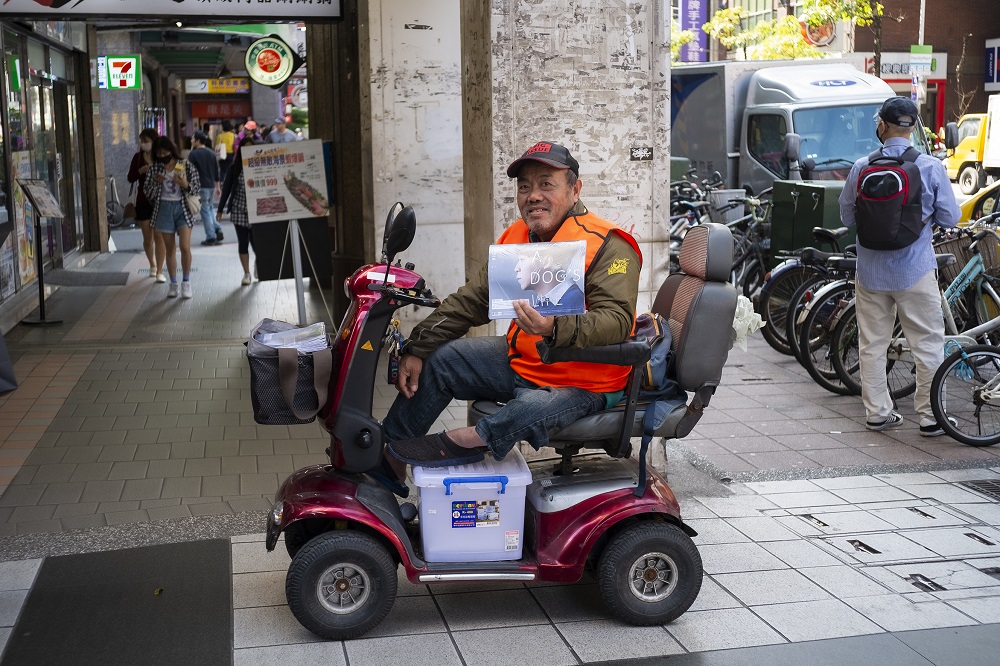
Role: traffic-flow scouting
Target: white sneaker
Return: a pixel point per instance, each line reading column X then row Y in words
column 172, row 291
column 246, row 279
column 186, row 289
column 160, row 277
column 152, row 271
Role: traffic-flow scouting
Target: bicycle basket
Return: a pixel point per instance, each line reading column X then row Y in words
column 721, row 210
column 988, row 248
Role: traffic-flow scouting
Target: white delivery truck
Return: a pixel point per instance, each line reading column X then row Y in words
column 741, row 118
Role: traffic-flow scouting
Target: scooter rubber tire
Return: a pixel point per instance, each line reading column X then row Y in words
column 345, row 558
column 650, row 573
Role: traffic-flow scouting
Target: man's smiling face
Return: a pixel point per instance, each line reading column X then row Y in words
column 545, row 197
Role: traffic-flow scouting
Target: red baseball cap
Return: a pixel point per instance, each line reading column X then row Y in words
column 547, row 153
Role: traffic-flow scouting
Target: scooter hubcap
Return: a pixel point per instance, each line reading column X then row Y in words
column 653, row 577
column 343, row 588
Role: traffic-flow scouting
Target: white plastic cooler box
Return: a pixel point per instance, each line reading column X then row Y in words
column 473, row 513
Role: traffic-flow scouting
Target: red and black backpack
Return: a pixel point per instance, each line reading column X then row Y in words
column 888, row 213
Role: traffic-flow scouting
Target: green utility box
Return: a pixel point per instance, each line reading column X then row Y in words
column 798, row 207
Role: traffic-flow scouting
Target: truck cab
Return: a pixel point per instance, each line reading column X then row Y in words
column 734, row 116
column 974, row 148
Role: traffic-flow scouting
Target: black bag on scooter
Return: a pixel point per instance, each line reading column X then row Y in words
column 287, row 386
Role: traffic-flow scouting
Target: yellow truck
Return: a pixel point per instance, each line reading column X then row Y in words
column 973, row 145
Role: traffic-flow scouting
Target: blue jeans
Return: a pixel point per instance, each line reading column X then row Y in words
column 477, row 369
column 208, row 213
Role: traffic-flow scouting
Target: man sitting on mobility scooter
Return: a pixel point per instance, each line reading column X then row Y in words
column 537, row 397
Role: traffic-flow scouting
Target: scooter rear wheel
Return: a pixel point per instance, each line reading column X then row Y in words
column 650, row 573
column 341, row 584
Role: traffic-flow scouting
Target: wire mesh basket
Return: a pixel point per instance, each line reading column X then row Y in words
column 988, row 248
column 721, row 209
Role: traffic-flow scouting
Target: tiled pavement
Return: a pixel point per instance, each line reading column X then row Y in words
column 134, row 419
column 781, row 567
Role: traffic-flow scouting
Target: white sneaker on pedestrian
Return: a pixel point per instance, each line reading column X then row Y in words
column 172, row 291
column 152, row 271
column 186, row 289
column 246, row 279
column 894, row 420
column 160, row 277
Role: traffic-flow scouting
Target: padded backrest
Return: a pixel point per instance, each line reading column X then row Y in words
column 699, row 306
column 707, row 252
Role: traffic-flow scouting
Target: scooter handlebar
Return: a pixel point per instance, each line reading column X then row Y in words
column 629, row 353
column 410, row 296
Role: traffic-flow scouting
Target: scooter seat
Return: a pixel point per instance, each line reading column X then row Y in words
column 596, row 430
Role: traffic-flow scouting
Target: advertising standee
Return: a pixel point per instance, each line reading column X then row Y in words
column 288, row 182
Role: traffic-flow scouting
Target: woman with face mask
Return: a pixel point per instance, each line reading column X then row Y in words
column 152, row 243
column 168, row 184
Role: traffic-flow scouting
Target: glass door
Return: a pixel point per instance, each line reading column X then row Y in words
column 67, row 165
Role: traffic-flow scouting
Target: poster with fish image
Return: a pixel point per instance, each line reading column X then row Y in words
column 285, row 181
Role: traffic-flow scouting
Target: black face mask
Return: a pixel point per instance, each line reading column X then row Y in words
column 165, row 160
column 879, row 136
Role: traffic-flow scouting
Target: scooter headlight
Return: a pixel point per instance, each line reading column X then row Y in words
column 277, row 512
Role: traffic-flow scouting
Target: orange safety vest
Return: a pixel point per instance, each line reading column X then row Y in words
column 523, row 355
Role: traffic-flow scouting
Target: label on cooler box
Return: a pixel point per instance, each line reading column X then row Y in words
column 470, row 513
column 512, row 538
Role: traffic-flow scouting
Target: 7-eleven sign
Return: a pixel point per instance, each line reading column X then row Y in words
column 124, row 72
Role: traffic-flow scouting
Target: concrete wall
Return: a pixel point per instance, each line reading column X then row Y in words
column 416, row 103
column 593, row 75
column 590, row 74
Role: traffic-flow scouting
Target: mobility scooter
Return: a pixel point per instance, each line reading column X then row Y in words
column 347, row 533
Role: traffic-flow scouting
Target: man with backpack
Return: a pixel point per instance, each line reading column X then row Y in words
column 893, row 196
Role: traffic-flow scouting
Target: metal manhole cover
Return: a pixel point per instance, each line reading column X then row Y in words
column 988, row 487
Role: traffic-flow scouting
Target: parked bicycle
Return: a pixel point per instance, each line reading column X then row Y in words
column 115, row 207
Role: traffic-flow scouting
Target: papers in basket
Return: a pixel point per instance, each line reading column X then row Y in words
column 309, row 339
column 547, row 275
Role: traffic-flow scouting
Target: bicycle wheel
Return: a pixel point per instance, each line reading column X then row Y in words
column 116, row 214
column 817, row 332
column 987, row 308
column 773, row 302
column 753, row 278
column 796, row 304
column 965, row 397
column 900, row 371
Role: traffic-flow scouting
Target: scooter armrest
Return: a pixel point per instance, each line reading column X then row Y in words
column 624, row 353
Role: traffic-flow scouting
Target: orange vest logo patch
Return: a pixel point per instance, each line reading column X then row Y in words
column 618, row 267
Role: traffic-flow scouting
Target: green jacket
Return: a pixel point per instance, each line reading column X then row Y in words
column 611, row 300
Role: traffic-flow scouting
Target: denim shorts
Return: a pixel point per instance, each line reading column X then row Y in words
column 170, row 217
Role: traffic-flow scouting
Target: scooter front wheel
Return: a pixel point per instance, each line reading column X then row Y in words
column 650, row 573
column 341, row 584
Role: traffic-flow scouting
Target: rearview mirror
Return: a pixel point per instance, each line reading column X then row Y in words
column 950, row 135
column 791, row 149
column 400, row 227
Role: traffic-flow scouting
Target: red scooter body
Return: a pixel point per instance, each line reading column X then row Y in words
column 346, row 532
column 559, row 542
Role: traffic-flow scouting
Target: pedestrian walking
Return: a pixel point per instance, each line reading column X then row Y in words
column 169, row 183
column 280, row 133
column 234, row 194
column 152, row 243
column 206, row 161
column 225, row 145
column 900, row 277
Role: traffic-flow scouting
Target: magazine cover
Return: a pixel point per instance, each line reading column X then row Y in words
column 547, row 275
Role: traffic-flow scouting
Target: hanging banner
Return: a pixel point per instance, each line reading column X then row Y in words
column 285, row 181
column 269, row 10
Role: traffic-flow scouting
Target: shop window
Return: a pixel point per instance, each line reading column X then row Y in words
column 766, row 141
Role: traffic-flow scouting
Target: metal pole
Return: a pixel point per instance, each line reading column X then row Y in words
column 300, row 295
column 920, row 36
